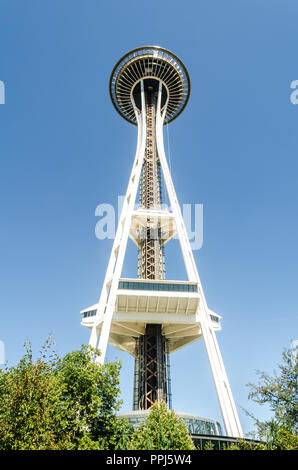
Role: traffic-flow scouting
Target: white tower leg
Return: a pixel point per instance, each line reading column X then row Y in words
column 226, row 401
column 107, row 299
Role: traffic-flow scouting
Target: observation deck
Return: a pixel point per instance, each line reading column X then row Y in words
column 149, row 63
column 175, row 305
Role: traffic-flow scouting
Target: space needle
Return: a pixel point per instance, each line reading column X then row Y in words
column 150, row 316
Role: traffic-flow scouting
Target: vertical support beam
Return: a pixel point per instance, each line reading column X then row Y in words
column 136, row 376
column 224, row 393
column 181, row 231
column 107, row 299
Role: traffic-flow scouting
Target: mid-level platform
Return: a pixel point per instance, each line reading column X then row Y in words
column 173, row 304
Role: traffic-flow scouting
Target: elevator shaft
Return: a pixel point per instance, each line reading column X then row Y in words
column 150, row 382
column 150, row 252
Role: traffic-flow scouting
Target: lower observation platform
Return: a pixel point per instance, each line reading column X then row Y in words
column 204, row 432
column 195, row 424
column 173, row 304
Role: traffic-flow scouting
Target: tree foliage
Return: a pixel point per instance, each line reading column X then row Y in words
column 71, row 403
column 60, row 403
column 162, row 430
column 280, row 393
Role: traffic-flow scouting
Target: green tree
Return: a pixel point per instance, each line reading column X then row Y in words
column 280, row 393
column 61, row 403
column 209, row 446
column 31, row 406
column 162, row 430
column 244, row 444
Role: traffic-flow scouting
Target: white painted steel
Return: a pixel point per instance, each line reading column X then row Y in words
column 108, row 294
column 225, row 397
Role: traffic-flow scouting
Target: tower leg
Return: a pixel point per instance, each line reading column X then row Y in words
column 224, row 393
column 93, row 338
column 107, row 301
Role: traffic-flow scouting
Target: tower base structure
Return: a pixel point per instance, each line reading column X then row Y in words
column 195, row 424
column 150, row 377
column 203, row 431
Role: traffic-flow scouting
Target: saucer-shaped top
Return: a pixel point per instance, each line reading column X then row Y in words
column 151, row 62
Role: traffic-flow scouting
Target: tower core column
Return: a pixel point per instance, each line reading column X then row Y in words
column 150, row 378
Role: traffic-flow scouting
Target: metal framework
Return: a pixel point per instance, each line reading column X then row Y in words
column 151, row 263
column 151, row 380
column 151, row 383
column 151, row 317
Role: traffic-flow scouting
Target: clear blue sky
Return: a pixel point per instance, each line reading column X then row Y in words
column 64, row 150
